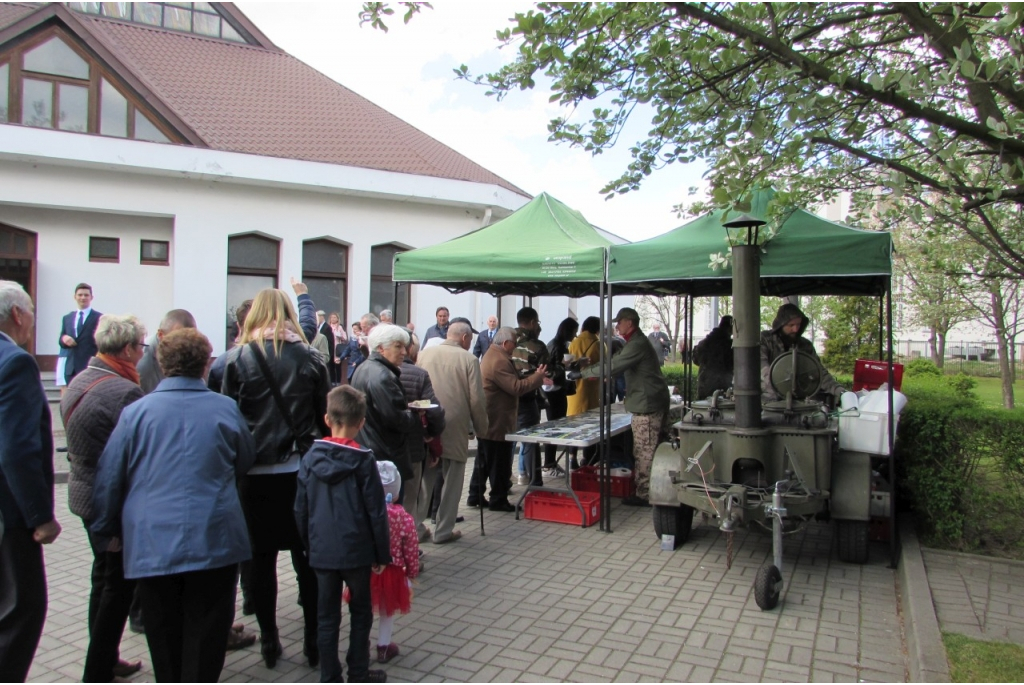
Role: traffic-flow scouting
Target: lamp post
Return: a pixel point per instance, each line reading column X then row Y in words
column 746, row 298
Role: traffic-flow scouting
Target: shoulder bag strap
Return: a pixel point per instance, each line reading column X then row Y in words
column 274, row 390
column 71, row 410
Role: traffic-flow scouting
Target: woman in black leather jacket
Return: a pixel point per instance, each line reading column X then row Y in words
column 558, row 347
column 389, row 421
column 283, row 430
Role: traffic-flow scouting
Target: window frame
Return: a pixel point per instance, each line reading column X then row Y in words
column 343, row 275
column 105, row 260
column 189, row 7
column 154, row 262
column 14, row 58
column 400, row 318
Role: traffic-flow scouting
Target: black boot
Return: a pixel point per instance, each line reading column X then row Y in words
column 270, row 648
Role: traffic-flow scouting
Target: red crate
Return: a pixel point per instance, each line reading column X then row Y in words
column 588, row 479
column 870, row 375
column 559, row 507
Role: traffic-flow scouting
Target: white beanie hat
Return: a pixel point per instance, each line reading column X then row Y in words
column 390, row 479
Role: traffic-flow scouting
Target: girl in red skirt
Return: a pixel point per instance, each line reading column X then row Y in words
column 391, row 588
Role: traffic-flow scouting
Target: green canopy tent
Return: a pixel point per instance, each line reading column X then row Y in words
column 543, row 248
column 808, row 255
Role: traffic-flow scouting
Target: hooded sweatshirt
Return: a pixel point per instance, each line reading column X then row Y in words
column 773, row 344
column 339, row 507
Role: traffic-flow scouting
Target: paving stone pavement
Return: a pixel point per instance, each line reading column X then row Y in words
column 980, row 597
column 536, row 601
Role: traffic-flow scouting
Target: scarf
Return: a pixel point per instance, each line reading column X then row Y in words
column 121, row 367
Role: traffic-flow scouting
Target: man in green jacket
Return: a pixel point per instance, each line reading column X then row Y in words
column 647, row 396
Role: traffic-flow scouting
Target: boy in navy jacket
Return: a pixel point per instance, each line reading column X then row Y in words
column 340, row 511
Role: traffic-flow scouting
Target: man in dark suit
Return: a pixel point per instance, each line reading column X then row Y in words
column 26, row 488
column 660, row 342
column 485, row 338
column 325, row 328
column 77, row 332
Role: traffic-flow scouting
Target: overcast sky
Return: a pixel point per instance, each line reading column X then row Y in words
column 408, row 72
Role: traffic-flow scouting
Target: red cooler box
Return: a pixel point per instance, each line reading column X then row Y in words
column 869, row 375
column 559, row 507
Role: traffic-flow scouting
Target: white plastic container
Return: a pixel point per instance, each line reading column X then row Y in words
column 866, row 431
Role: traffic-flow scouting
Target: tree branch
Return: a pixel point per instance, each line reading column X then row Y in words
column 786, row 55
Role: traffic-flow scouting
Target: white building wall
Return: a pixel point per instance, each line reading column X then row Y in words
column 65, row 205
column 128, row 287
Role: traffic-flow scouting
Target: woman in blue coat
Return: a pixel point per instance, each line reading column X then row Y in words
column 165, row 487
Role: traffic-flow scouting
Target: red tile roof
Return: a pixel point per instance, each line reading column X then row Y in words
column 244, row 98
column 11, row 12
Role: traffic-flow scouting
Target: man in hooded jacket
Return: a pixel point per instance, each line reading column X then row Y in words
column 787, row 332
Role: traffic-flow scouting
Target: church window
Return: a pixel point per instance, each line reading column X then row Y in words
column 201, row 18
column 50, row 83
column 73, row 108
column 324, row 271
column 37, row 103
column 145, row 130
column 113, row 111
column 104, row 249
column 382, row 288
column 56, row 58
column 252, row 266
column 154, row 252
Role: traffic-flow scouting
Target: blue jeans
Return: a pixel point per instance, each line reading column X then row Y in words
column 329, row 616
column 529, row 457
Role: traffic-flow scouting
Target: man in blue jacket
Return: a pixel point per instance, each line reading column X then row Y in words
column 26, row 488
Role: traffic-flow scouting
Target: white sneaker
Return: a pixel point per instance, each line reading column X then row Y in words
column 524, row 479
column 554, row 472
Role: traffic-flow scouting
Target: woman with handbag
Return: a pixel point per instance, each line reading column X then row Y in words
column 280, row 384
column 90, row 409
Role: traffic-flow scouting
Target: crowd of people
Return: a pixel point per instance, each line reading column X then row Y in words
column 190, row 474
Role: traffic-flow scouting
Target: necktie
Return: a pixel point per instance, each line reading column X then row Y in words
column 490, row 335
column 81, row 321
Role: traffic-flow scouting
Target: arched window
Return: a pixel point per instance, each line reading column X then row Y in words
column 382, row 288
column 252, row 266
column 325, row 273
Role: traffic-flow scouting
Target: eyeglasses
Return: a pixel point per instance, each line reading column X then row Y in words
column 142, row 345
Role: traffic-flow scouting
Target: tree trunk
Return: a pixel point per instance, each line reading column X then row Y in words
column 941, row 351
column 1005, row 372
column 933, row 346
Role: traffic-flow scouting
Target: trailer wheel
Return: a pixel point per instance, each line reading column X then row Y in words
column 767, row 586
column 673, row 521
column 853, row 541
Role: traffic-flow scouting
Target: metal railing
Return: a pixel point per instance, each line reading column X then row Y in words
column 969, row 357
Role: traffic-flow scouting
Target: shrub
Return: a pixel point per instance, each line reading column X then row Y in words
column 921, row 367
column 961, row 468
column 674, row 376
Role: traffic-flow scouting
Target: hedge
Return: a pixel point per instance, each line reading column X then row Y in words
column 959, row 465
column 960, row 468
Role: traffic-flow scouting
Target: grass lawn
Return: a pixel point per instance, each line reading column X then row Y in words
column 974, row 661
column 990, row 392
